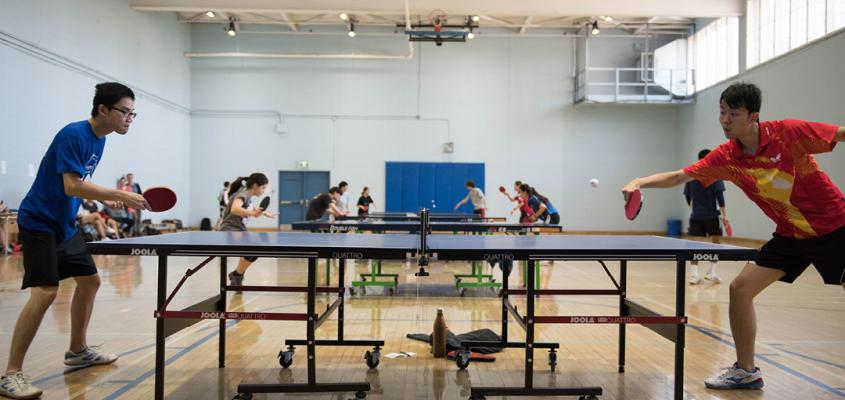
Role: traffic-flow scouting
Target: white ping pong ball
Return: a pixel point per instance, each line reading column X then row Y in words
column 594, row 182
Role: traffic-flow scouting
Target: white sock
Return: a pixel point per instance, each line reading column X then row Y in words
column 712, row 270
column 694, row 269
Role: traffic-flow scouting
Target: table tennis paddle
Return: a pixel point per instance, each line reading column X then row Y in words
column 634, row 204
column 265, row 202
column 502, row 189
column 728, row 230
column 160, row 198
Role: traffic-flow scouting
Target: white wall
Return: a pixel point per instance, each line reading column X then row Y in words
column 37, row 98
column 806, row 84
column 505, row 101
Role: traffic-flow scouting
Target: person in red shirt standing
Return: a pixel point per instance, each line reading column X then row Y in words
column 772, row 162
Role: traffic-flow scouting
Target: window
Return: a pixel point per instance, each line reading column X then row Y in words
column 714, row 52
column 774, row 27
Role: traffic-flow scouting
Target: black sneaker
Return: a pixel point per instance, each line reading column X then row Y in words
column 236, row 279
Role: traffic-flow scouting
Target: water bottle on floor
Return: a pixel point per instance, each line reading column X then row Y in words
column 438, row 337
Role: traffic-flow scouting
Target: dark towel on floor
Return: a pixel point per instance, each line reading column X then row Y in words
column 453, row 342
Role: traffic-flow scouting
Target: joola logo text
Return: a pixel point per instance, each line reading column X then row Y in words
column 583, row 320
column 498, row 257
column 348, row 255
column 705, row 257
column 143, row 252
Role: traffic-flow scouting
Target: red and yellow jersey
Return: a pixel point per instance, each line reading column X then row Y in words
column 782, row 177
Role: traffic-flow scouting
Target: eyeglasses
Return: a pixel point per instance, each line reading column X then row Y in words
column 126, row 113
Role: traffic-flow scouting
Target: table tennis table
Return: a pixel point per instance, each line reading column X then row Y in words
column 376, row 277
column 424, row 248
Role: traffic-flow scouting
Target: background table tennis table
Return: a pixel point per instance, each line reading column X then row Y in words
column 477, row 278
column 412, row 216
column 313, row 246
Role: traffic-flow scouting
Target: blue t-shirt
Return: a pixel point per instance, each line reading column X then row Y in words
column 705, row 200
column 550, row 207
column 535, row 202
column 46, row 207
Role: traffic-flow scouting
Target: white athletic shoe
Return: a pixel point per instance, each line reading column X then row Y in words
column 18, row 386
column 735, row 377
column 712, row 277
column 89, row 356
column 694, row 279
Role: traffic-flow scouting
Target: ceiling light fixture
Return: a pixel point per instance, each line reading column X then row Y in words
column 232, row 30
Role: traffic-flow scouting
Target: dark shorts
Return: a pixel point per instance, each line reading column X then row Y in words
column 554, row 219
column 248, row 258
column 46, row 262
column 705, row 227
column 793, row 256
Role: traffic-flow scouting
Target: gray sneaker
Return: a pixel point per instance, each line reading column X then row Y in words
column 236, row 279
column 18, row 385
column 89, row 356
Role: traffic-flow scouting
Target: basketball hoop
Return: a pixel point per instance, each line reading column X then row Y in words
column 437, row 18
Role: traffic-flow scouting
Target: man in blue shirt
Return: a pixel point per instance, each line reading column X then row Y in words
column 704, row 221
column 53, row 249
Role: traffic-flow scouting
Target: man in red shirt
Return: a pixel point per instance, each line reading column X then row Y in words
column 772, row 162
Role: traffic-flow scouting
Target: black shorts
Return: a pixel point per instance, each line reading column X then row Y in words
column 554, row 219
column 705, row 227
column 46, row 262
column 793, row 256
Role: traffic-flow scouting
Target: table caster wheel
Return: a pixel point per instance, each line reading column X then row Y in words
column 360, row 395
column 372, row 358
column 243, row 396
column 462, row 358
column 286, row 358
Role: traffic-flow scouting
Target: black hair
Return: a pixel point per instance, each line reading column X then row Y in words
column 703, row 153
column 518, row 183
column 533, row 192
column 470, row 184
column 366, row 188
column 743, row 94
column 342, row 184
column 543, row 199
column 334, row 190
column 108, row 94
column 257, row 178
column 225, row 183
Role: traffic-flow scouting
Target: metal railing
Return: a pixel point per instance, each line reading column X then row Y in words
column 633, row 85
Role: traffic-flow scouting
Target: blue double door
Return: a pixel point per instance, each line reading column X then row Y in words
column 435, row 186
column 296, row 188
